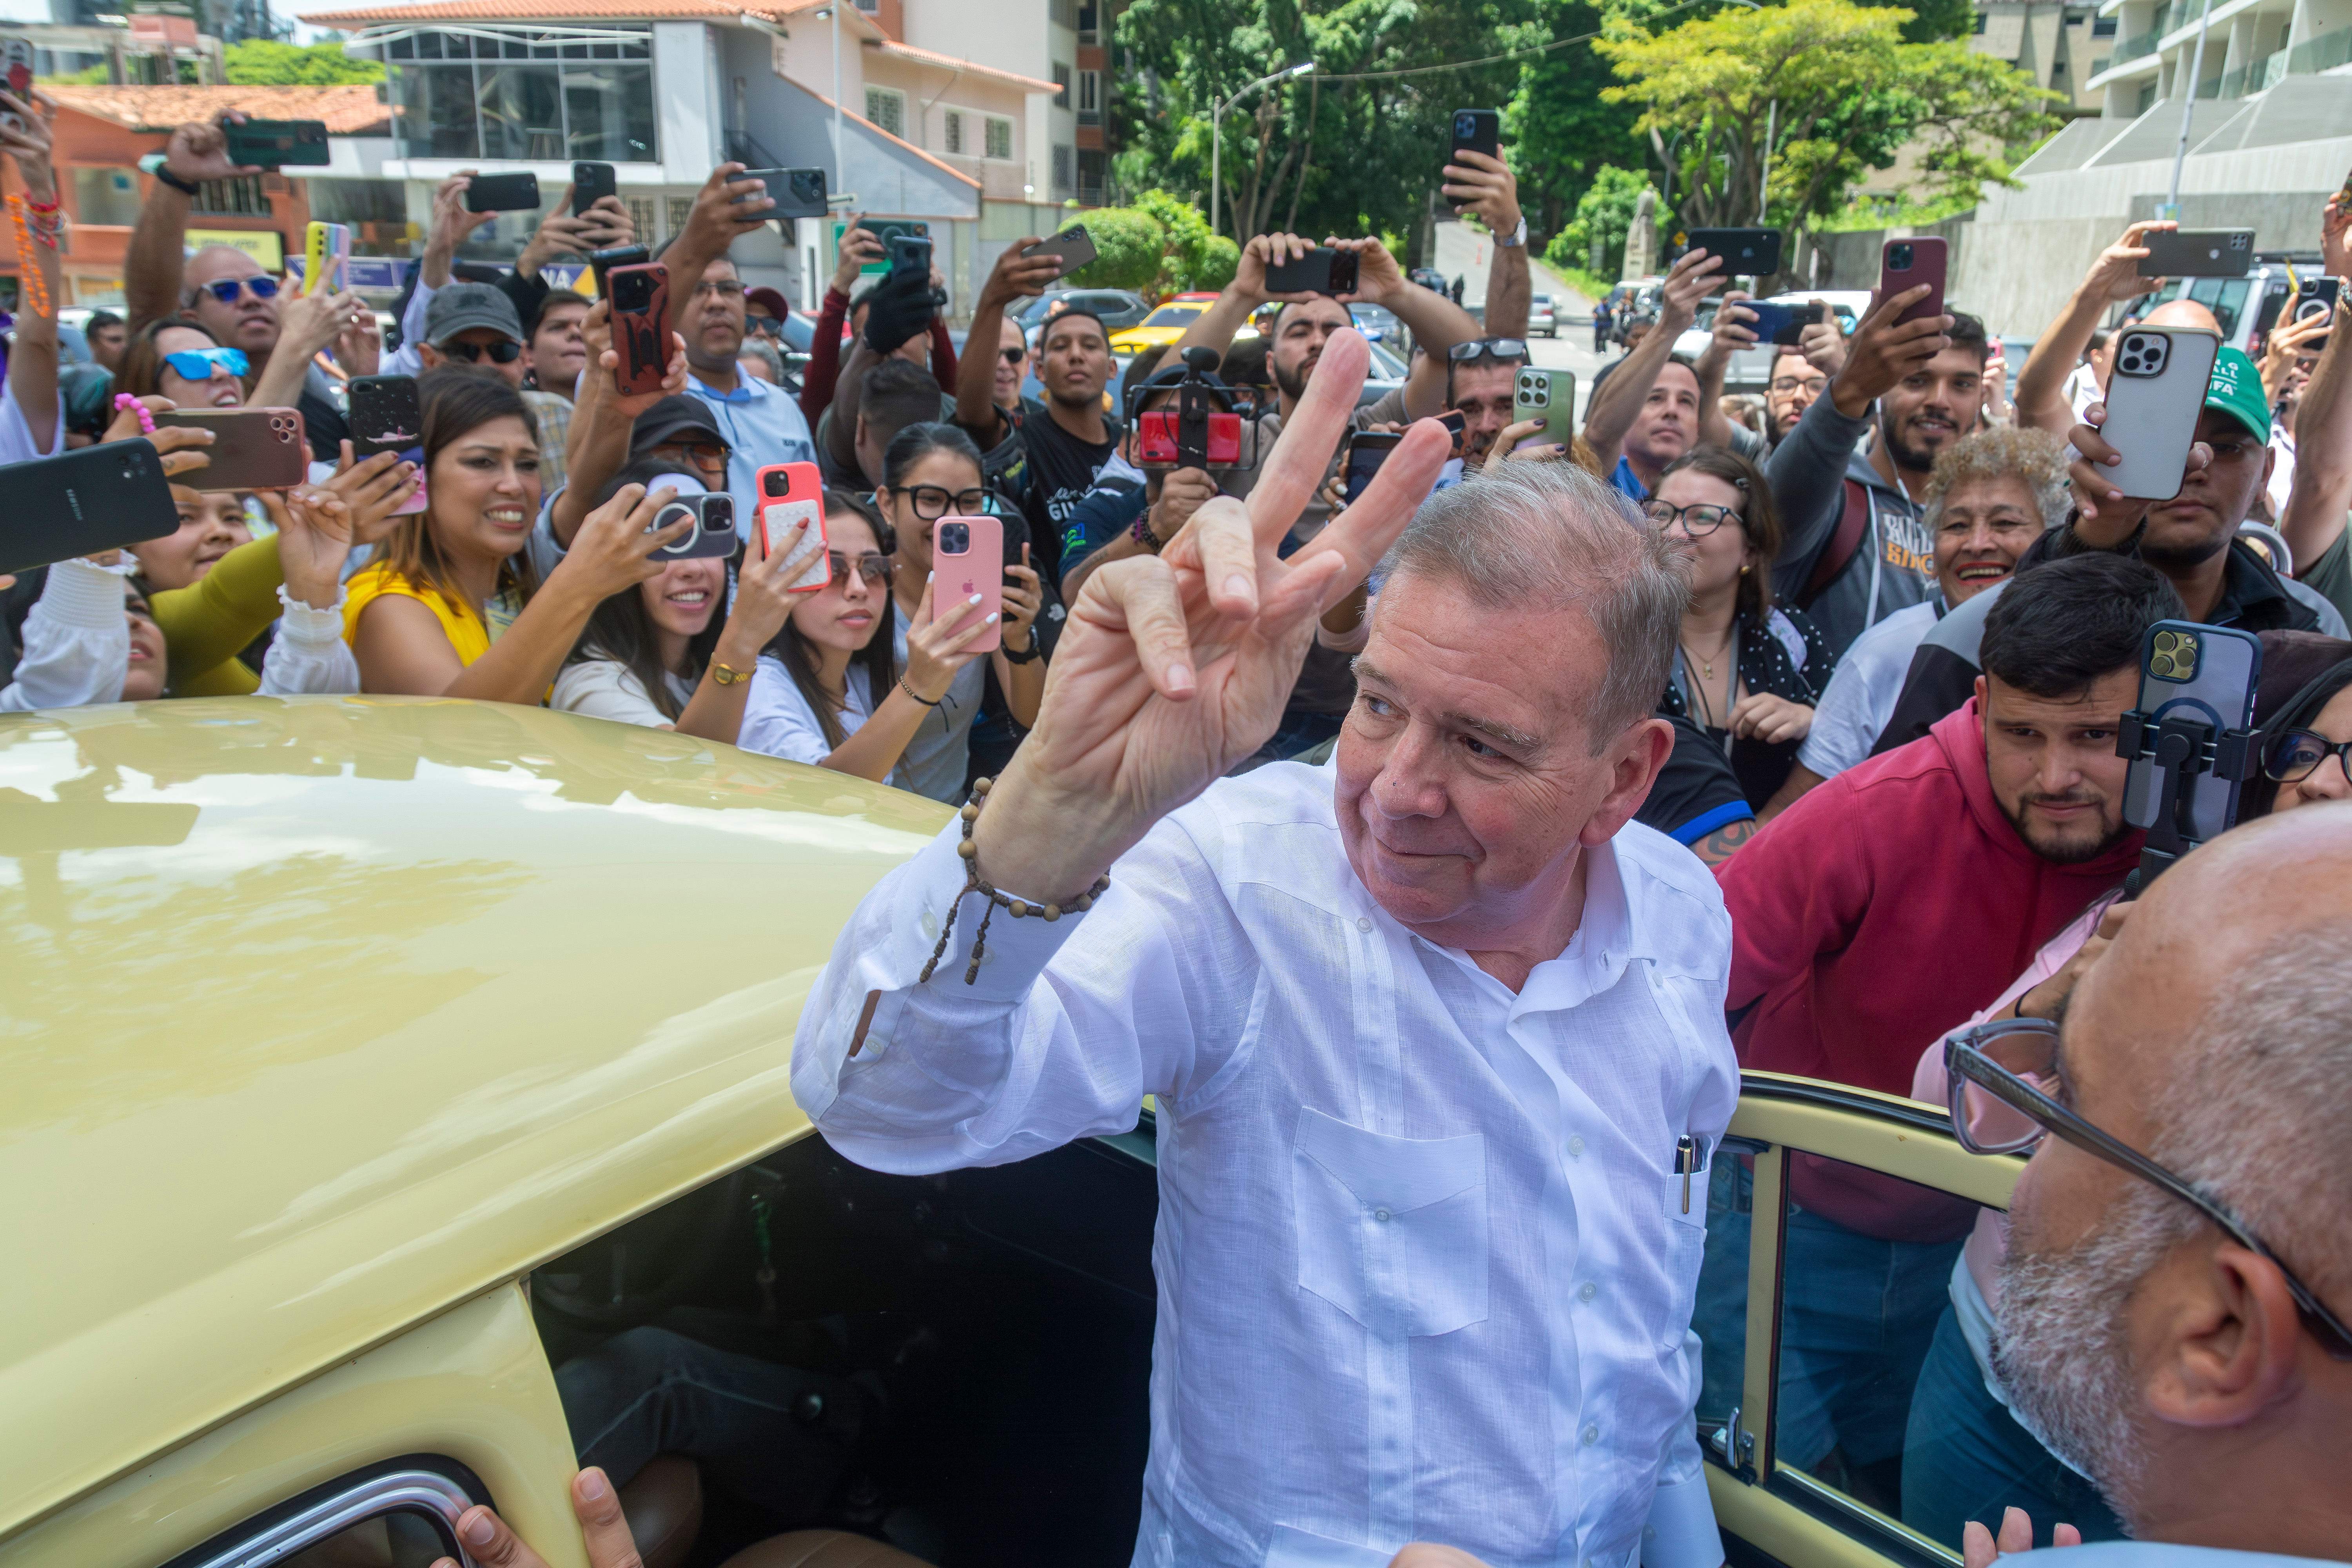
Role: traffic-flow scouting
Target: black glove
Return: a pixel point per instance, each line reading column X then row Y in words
column 899, row 309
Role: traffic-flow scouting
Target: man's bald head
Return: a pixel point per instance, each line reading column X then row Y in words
column 245, row 320
column 2183, row 313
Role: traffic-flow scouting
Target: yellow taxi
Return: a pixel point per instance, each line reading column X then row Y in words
column 1167, row 323
column 374, row 1064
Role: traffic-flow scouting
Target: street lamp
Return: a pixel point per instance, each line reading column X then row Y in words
column 1217, row 132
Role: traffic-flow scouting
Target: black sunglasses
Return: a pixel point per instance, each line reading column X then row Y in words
column 1487, row 348
column 505, row 350
column 1014, row 356
column 1988, row 1066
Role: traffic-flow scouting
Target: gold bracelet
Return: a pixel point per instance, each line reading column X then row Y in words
column 727, row 674
column 1019, row 909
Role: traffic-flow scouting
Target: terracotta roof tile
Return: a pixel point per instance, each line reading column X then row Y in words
column 347, row 109
column 551, row 10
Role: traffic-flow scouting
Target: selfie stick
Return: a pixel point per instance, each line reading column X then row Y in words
column 2184, row 745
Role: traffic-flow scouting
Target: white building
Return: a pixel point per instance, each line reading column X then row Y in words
column 946, row 112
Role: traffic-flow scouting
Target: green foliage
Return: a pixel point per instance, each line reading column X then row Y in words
column 1594, row 239
column 1129, row 247
column 1934, row 19
column 1561, row 130
column 262, row 62
column 1194, row 258
column 89, row 76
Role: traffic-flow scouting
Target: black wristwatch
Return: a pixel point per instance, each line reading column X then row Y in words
column 153, row 164
column 1033, row 652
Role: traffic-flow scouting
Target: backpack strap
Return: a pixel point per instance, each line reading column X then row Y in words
column 1853, row 521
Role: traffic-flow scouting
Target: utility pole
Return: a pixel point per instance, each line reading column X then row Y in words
column 2187, row 112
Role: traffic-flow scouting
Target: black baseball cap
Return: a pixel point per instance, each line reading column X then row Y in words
column 682, row 416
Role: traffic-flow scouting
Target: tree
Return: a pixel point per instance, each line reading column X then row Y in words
column 1595, row 239
column 1195, row 259
column 1128, row 248
column 261, row 62
column 1562, row 131
column 1840, row 93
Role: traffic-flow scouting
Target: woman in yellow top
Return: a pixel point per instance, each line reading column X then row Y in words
column 450, row 608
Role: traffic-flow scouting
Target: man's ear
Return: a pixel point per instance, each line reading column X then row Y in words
column 430, row 357
column 2222, row 1339
column 1637, row 757
column 1981, row 697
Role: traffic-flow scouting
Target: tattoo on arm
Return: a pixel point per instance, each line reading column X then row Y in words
column 1719, row 846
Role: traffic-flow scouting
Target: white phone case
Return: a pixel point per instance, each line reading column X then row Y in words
column 776, row 520
column 2155, row 388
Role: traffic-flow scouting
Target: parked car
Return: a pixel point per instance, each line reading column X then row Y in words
column 1430, row 278
column 1119, row 309
column 2245, row 307
column 1540, row 317
column 1380, row 325
column 1166, row 323
column 370, row 1059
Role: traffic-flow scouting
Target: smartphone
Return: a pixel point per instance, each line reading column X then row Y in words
column 968, row 558
column 910, row 255
column 1073, row 245
column 1367, row 450
column 252, row 450
column 1214, row 440
column 326, row 248
column 1322, row 270
column 1744, row 252
column 16, row 75
column 385, row 415
column 2198, row 253
column 1907, row 263
column 98, row 498
column 2191, row 670
column 502, row 192
column 793, row 493
column 274, row 143
column 886, row 230
column 601, row 262
column 713, row 533
column 592, row 182
column 797, row 193
column 1455, row 422
column 1477, row 130
column 1781, row 322
column 1549, row 397
column 640, row 325
column 2317, row 297
column 2155, row 389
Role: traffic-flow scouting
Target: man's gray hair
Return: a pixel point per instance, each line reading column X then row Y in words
column 1549, row 536
column 2036, row 457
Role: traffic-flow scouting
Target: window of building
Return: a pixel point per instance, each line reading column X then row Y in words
column 2103, row 26
column 1089, row 92
column 241, row 196
column 1064, row 169
column 999, row 137
column 1092, row 167
column 1980, row 26
column 545, row 95
column 1089, row 19
column 951, row 129
column 641, row 218
column 887, row 107
column 1061, row 85
column 107, row 196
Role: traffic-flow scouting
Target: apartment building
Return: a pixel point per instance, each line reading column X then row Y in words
column 2056, row 45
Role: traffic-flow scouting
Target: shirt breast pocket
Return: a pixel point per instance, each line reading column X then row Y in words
column 1391, row 1231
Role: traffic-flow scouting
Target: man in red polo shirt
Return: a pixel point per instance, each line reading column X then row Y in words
column 1885, row 907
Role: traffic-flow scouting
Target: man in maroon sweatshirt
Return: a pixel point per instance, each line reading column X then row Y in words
column 1882, row 908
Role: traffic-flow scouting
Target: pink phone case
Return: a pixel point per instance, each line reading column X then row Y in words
column 977, row 569
column 791, row 493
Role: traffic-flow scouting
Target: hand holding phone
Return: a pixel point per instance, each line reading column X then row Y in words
column 2156, row 390
column 792, row 511
column 640, row 327
column 967, row 582
column 502, row 192
column 1074, row 247
column 2186, row 768
column 1907, row 263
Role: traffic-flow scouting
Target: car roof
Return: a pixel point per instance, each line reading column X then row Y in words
column 328, row 1014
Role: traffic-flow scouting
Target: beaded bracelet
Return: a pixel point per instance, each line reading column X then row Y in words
column 1019, row 909
column 35, row 288
column 123, row 400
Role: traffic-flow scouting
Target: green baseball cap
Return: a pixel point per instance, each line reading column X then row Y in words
column 2236, row 390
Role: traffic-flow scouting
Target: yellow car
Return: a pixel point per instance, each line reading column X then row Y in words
column 374, row 1063
column 1164, row 325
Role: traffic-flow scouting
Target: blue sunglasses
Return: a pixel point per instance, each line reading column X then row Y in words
column 203, row 365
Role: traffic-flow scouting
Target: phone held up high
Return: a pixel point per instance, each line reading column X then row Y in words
column 326, row 248
column 968, row 558
column 1782, row 322
column 2317, row 297
column 1074, row 247
column 601, row 262
column 274, row 143
column 80, row 502
column 1477, row 130
column 713, row 533
column 884, row 230
column 1907, row 263
column 1322, row 270
column 591, row 184
column 2198, row 253
column 791, row 494
column 252, row 450
column 2156, row 390
column 502, row 192
column 2190, row 741
column 385, row 415
column 1549, row 397
column 640, row 325
column 797, row 193
column 16, row 75
column 1744, row 252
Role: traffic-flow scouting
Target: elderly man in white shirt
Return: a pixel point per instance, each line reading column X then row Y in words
column 1433, row 1030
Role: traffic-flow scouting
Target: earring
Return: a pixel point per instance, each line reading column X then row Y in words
column 1743, row 571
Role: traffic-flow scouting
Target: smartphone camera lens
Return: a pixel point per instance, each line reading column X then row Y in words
column 1463, row 125
column 955, row 538
column 1898, row 259
column 777, row 486
column 719, row 514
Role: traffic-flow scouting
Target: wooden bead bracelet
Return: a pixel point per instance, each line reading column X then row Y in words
column 1019, row 909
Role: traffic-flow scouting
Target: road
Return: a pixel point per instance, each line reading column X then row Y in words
column 1464, row 252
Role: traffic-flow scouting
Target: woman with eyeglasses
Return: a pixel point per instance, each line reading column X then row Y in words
column 450, row 606
column 865, row 677
column 671, row 653
column 1965, row 1458
column 1745, row 670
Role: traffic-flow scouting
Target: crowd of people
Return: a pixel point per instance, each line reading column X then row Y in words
column 1854, row 660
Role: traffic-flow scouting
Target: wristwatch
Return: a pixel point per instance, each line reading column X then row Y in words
column 1032, row 652
column 727, row 675
column 1517, row 238
column 153, row 164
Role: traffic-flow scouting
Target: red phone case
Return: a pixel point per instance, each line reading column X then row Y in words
column 1155, row 439
column 641, row 336
column 977, row 570
column 1929, row 256
column 802, row 499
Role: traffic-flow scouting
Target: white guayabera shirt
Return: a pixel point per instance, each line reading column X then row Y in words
column 1425, row 1271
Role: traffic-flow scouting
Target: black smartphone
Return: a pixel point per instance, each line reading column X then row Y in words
column 591, row 184
column 1744, row 252
column 1783, row 322
column 1477, row 130
column 2198, row 253
column 1455, row 423
column 2317, row 297
column 98, row 498
column 713, row 533
column 797, row 193
column 502, row 192
column 1073, row 245
column 1367, row 450
column 1322, row 270
column 385, row 415
column 274, row 143
column 909, row 255
column 601, row 262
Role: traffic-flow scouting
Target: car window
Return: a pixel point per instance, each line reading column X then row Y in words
column 2225, row 296
column 399, row 1514
column 1173, row 316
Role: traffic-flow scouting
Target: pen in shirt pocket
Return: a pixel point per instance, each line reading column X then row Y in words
column 1690, row 1158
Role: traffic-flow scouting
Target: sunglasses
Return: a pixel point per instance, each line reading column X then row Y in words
column 933, row 502
column 1014, row 356
column 505, row 350
column 227, row 289
column 874, row 568
column 203, row 365
column 1487, row 348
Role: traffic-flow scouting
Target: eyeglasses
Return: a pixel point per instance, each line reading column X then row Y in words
column 1996, row 1110
column 727, row 287
column 1698, row 521
column 505, row 350
column 2296, row 755
column 1791, row 383
column 1014, row 356
column 874, row 568
column 933, row 502
column 203, row 365
column 1487, row 348
column 227, row 289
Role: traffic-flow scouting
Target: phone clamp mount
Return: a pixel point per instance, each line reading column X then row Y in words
column 2184, row 745
column 1210, row 430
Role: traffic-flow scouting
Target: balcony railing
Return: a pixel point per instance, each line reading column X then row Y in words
column 2132, row 47
column 2323, row 53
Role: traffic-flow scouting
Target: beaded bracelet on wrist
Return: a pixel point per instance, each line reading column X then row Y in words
column 1019, row 909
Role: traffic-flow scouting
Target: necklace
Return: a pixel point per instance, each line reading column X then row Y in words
column 1709, row 663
